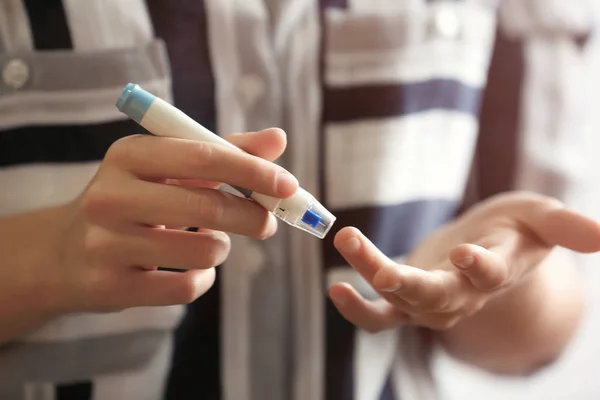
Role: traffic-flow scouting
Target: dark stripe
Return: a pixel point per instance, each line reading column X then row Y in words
column 74, row 391
column 334, row 4
column 395, row 230
column 49, row 25
column 495, row 160
column 195, row 372
column 387, row 392
column 61, row 143
column 183, row 26
column 386, row 100
column 196, row 362
column 339, row 367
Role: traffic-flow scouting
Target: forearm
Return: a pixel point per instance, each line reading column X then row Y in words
column 26, row 240
column 525, row 328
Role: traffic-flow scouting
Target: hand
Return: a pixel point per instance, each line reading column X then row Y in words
column 118, row 230
column 487, row 252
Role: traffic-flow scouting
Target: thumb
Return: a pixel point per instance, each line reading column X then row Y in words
column 568, row 228
column 268, row 144
column 556, row 225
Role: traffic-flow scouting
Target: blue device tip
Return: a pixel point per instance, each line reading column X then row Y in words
column 135, row 102
column 311, row 218
column 125, row 94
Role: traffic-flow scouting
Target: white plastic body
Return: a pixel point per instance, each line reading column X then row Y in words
column 163, row 119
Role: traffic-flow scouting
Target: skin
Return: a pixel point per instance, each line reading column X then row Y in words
column 490, row 283
column 493, row 284
column 98, row 252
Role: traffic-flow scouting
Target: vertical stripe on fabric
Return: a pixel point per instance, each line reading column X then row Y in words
column 184, row 28
column 340, row 335
column 388, row 390
column 498, row 139
column 196, row 363
column 49, row 25
column 15, row 35
column 339, row 368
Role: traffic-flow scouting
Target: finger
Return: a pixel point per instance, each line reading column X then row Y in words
column 174, row 248
column 569, row 229
column 372, row 316
column 360, row 252
column 268, row 144
column 425, row 290
column 165, row 288
column 158, row 158
column 552, row 223
column 149, row 203
column 485, row 269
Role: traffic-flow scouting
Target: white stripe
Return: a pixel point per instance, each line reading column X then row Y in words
column 374, row 355
column 396, row 160
column 35, row 186
column 83, row 326
column 15, row 32
column 235, row 296
column 69, row 107
column 108, row 24
column 357, row 6
column 464, row 59
column 411, row 65
column 303, row 96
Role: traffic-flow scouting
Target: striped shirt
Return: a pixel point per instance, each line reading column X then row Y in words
column 381, row 101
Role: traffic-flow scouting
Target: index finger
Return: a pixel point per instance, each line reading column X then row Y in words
column 360, row 252
column 159, row 158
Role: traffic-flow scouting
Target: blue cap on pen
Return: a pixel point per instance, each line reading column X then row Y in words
column 135, row 102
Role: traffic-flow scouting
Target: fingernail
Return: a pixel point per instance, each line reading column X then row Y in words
column 351, row 245
column 393, row 288
column 465, row 262
column 286, row 183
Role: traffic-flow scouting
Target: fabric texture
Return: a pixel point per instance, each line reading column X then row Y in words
column 382, row 103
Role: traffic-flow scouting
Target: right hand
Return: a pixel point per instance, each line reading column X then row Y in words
column 118, row 230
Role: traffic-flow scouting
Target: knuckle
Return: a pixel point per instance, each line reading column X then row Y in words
column 217, row 251
column 473, row 308
column 497, row 279
column 188, row 292
column 98, row 200
column 120, row 152
column 442, row 302
column 209, row 207
column 445, row 323
column 194, row 287
column 262, row 176
column 267, row 227
column 98, row 245
column 199, row 156
column 101, row 286
column 372, row 328
column 441, row 299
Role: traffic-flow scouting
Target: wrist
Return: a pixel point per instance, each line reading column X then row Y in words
column 30, row 290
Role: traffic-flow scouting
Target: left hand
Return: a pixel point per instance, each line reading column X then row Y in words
column 483, row 254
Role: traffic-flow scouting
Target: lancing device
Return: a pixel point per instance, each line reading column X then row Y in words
column 160, row 118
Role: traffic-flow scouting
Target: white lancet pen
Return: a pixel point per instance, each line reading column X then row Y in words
column 160, row 118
